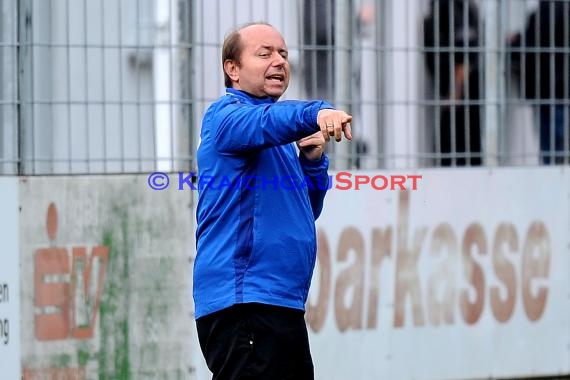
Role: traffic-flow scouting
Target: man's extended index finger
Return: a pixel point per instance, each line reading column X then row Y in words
column 348, row 131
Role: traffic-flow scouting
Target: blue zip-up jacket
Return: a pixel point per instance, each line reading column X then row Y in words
column 258, row 202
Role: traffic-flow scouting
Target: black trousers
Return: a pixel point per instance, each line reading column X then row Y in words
column 256, row 341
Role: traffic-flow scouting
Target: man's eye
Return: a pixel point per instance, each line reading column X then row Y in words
column 284, row 54
column 264, row 54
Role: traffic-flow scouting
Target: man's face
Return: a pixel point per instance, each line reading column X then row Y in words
column 264, row 67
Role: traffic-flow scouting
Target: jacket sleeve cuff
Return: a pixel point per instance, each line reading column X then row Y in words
column 320, row 106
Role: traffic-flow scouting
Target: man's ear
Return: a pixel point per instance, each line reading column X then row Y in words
column 232, row 69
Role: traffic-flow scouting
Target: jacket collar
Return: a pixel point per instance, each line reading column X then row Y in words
column 248, row 97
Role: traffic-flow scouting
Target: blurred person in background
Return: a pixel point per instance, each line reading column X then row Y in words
column 451, row 35
column 256, row 240
column 545, row 74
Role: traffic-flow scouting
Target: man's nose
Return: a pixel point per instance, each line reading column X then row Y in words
column 279, row 60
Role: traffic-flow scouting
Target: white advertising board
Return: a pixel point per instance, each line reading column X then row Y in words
column 465, row 277
column 9, row 280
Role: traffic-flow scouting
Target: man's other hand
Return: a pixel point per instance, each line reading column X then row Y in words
column 312, row 146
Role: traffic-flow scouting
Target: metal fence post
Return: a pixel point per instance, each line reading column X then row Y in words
column 493, row 82
column 25, row 117
column 343, row 70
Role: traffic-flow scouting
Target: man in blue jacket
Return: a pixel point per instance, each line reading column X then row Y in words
column 258, row 201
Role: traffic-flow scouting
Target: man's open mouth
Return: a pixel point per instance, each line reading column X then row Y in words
column 278, row 77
